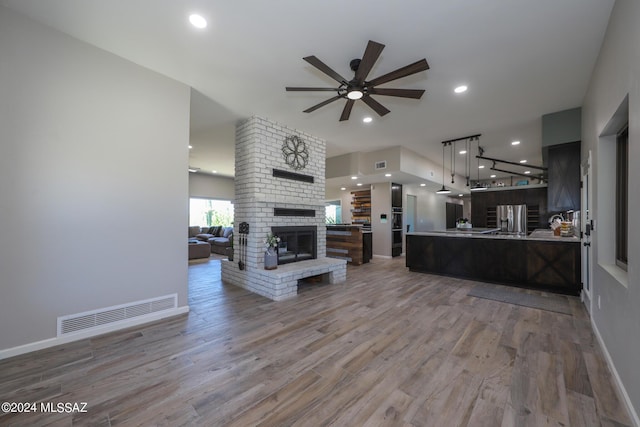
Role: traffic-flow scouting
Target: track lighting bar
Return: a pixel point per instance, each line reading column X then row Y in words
column 470, row 137
column 511, row 163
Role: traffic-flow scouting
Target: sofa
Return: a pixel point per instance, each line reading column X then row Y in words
column 220, row 238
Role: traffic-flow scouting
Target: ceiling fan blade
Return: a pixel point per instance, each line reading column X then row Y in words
column 306, row 89
column 371, row 55
column 405, row 71
column 375, row 105
column 325, row 68
column 346, row 112
column 402, row 93
column 322, row 104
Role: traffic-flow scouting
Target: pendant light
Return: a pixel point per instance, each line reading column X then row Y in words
column 467, row 161
column 453, row 162
column 443, row 190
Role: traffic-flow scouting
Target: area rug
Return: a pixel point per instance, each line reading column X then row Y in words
column 556, row 303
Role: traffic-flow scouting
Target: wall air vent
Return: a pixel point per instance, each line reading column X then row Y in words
column 380, row 165
column 109, row 315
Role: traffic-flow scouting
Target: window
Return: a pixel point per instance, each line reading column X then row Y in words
column 622, row 191
column 333, row 212
column 208, row 212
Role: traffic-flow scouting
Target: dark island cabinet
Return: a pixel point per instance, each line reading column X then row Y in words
column 548, row 265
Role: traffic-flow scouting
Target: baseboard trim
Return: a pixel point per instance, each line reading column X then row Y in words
column 112, row 327
column 634, row 415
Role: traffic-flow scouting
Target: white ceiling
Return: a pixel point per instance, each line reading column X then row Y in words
column 520, row 58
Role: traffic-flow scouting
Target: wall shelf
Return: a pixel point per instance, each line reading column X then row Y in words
column 361, row 207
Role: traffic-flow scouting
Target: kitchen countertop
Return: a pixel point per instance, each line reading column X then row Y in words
column 360, row 227
column 545, row 235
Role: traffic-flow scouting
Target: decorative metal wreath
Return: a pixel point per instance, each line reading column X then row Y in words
column 295, row 152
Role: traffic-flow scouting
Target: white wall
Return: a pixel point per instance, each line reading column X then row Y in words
column 381, row 204
column 93, row 181
column 211, row 187
column 617, row 73
column 430, row 208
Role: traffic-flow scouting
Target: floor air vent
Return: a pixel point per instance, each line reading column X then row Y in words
column 108, row 315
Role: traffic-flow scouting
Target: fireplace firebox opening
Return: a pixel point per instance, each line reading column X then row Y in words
column 297, row 243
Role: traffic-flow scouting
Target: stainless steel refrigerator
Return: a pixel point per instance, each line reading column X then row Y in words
column 512, row 218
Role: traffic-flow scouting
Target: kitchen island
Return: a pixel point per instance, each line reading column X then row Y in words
column 352, row 243
column 539, row 260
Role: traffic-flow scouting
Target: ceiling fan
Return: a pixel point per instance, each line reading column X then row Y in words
column 358, row 87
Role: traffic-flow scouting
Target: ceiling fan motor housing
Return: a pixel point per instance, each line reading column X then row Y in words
column 354, row 64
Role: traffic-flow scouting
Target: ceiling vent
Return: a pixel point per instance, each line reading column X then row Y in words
column 380, row 165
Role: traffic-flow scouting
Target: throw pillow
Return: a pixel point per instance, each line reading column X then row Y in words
column 227, row 231
column 215, row 230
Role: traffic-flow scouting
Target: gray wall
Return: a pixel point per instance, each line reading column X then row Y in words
column 561, row 127
column 616, row 75
column 93, row 164
column 211, row 187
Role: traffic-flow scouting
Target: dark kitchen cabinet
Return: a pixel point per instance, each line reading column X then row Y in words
column 563, row 188
column 483, row 206
column 453, row 214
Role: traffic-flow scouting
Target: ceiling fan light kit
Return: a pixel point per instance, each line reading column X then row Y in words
column 358, row 87
column 355, row 94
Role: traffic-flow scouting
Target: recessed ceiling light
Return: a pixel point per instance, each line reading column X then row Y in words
column 359, row 184
column 515, row 142
column 367, row 119
column 197, row 21
column 387, row 175
column 463, row 151
column 460, row 195
column 481, row 167
column 460, row 89
column 493, row 176
column 190, row 147
column 214, row 171
column 523, row 161
column 343, row 188
column 527, row 172
column 354, row 177
column 423, row 185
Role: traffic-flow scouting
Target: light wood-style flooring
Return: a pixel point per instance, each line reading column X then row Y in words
column 388, row 348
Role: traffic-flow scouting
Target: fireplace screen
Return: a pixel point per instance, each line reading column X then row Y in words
column 296, row 243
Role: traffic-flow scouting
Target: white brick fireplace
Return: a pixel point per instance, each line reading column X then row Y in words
column 287, row 199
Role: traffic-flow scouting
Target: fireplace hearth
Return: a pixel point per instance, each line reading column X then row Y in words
column 297, row 243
